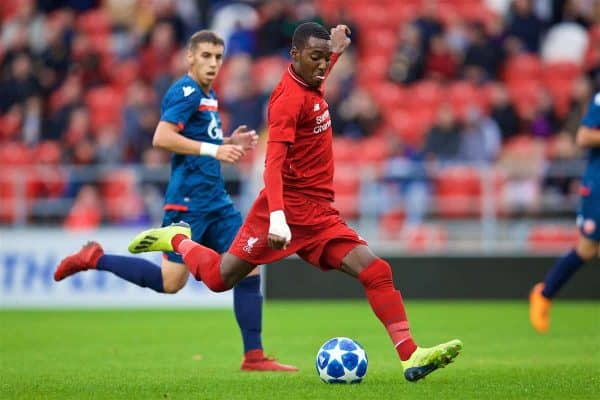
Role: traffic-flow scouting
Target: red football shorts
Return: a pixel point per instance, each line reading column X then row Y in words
column 315, row 226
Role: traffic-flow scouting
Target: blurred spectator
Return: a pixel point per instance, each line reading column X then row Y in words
column 408, row 59
column 55, row 58
column 441, row 63
column 541, row 120
column 240, row 96
column 86, row 60
column 522, row 164
column 503, row 112
column 560, row 182
column 237, row 24
column 480, row 138
column 481, row 58
column 360, row 115
column 77, row 128
column 565, row 42
column 32, row 122
column 580, row 96
column 427, row 23
column 571, row 11
column 140, row 116
column 162, row 47
column 442, row 142
column 524, row 25
column 27, row 28
column 86, row 213
column 407, row 183
column 21, row 83
column 272, row 36
column 64, row 100
column 109, row 145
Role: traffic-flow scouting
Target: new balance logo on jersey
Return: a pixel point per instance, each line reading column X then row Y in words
column 187, row 90
column 317, row 107
column 250, row 244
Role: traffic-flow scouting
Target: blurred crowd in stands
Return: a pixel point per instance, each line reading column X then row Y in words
column 430, row 92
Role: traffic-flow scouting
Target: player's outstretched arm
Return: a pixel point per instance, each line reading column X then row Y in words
column 588, row 137
column 167, row 137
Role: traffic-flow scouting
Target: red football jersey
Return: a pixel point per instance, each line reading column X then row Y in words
column 299, row 115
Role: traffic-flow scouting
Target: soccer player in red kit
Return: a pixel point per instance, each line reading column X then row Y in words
column 293, row 214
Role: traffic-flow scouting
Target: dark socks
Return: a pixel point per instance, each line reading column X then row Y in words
column 560, row 273
column 247, row 305
column 135, row 270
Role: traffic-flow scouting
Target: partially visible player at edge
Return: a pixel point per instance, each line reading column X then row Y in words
column 588, row 222
column 190, row 127
column 293, row 214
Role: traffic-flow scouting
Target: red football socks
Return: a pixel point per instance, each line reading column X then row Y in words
column 203, row 263
column 386, row 303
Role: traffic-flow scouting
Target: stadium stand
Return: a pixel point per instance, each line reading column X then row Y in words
column 81, row 84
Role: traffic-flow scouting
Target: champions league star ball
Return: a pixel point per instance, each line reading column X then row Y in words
column 341, row 360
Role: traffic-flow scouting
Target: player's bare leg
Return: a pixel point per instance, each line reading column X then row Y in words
column 175, row 275
column 376, row 276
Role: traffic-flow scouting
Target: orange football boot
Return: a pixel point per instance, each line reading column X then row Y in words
column 539, row 309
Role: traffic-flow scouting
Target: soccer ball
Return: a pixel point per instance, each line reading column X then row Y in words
column 341, row 360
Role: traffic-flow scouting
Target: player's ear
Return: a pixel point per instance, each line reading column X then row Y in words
column 189, row 56
column 295, row 53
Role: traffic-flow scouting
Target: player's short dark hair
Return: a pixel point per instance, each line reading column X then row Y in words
column 204, row 36
column 307, row 30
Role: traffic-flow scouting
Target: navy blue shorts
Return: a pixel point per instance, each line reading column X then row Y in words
column 588, row 216
column 215, row 230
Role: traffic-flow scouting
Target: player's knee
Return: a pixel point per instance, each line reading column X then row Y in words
column 587, row 249
column 377, row 274
column 172, row 286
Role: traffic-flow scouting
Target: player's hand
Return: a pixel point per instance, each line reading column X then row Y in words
column 242, row 136
column 280, row 235
column 340, row 39
column 230, row 153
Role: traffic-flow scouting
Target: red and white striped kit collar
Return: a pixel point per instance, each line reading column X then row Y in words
column 296, row 77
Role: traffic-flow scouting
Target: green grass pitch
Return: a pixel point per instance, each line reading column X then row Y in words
column 195, row 354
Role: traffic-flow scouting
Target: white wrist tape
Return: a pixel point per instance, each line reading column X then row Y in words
column 278, row 225
column 209, row 149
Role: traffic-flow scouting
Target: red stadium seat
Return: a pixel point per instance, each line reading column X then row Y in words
column 461, row 95
column 526, row 67
column 425, row 238
column 458, row 192
column 373, row 70
column 551, row 238
column 347, row 205
column 95, row 21
column 105, row 104
column 344, row 150
column 411, row 126
column 15, row 153
column 525, row 96
column 425, row 94
column 388, row 96
column 391, row 224
column 373, row 150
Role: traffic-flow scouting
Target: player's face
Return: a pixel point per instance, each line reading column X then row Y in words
column 204, row 62
column 312, row 62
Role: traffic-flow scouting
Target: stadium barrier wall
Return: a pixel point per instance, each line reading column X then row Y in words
column 435, row 277
column 28, row 258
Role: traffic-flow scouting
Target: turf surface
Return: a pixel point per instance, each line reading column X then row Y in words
column 180, row 354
